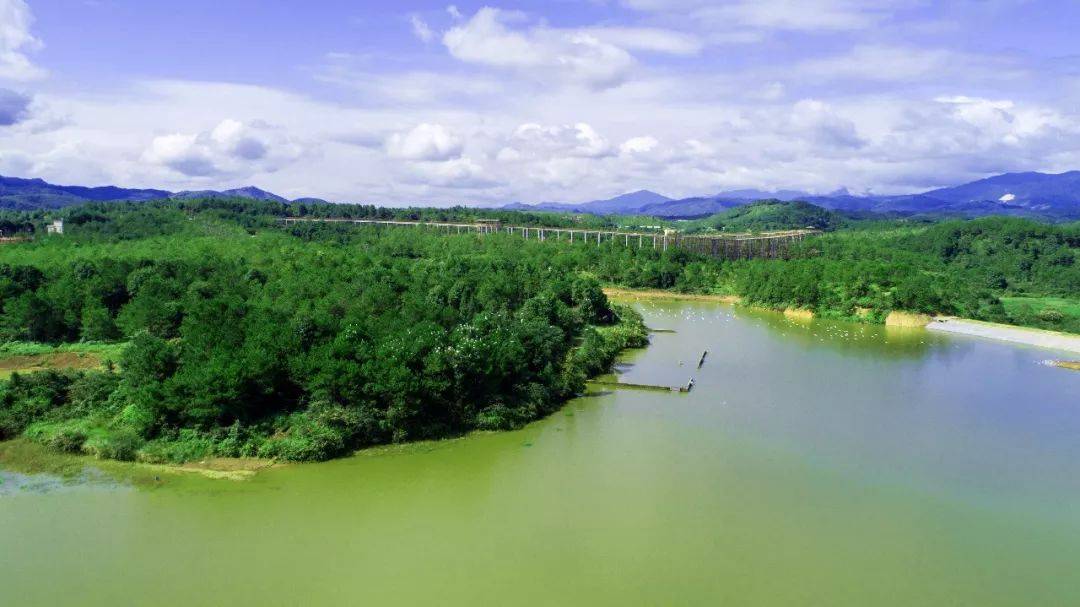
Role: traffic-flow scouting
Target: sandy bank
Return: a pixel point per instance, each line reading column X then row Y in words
column 897, row 318
column 799, row 314
column 1018, row 335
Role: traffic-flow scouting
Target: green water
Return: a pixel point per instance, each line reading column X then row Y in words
column 817, row 464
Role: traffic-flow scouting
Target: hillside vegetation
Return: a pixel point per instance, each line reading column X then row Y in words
column 768, row 215
column 247, row 337
column 956, row 267
column 291, row 346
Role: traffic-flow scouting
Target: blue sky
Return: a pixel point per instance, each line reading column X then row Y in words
column 430, row 102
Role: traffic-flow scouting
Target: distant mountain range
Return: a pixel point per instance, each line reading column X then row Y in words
column 1052, row 196
column 31, row 194
column 641, row 199
column 251, row 192
column 1049, row 196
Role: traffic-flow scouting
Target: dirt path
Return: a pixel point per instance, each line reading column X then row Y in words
column 54, row 360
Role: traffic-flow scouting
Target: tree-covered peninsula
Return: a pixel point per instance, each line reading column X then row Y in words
column 246, row 340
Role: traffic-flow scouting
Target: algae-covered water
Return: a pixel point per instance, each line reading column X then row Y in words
column 813, row 464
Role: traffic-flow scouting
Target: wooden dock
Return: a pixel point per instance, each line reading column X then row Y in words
column 766, row 245
column 647, row 387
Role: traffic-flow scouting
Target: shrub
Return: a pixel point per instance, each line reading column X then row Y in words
column 317, row 434
column 1051, row 315
column 90, row 392
column 120, row 444
column 184, row 446
column 495, row 417
column 68, row 437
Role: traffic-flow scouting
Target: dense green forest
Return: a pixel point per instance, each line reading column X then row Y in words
column 247, row 337
column 290, row 346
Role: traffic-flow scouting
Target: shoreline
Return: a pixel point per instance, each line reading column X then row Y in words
column 1040, row 338
column 624, row 293
column 26, row 457
column 22, row 455
column 1028, row 336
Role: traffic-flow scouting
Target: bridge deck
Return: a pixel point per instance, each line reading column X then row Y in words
column 769, row 245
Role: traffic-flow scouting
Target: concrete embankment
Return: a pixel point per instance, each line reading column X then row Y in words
column 1019, row 335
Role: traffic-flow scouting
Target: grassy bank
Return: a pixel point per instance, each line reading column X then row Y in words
column 620, row 293
column 28, row 457
column 1055, row 313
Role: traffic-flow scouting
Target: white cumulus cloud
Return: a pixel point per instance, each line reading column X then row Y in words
column 549, row 54
column 425, row 142
column 231, row 148
column 16, row 41
column 639, row 145
column 458, row 173
column 580, row 140
column 648, row 39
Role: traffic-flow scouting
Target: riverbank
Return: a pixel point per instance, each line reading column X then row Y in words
column 27, row 457
column 1013, row 334
column 946, row 324
column 209, row 455
column 624, row 294
column 646, row 294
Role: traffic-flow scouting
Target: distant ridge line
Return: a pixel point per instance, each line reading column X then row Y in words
column 1029, row 194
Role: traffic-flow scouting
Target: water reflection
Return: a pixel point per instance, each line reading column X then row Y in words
column 90, row 478
column 841, row 336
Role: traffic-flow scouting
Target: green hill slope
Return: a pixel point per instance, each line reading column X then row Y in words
column 768, row 215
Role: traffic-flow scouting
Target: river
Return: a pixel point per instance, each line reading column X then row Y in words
column 814, row 463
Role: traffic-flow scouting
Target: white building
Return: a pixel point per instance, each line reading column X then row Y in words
column 56, row 227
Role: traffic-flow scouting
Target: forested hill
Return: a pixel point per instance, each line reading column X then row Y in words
column 29, row 194
column 246, row 339
column 768, row 215
column 37, row 194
